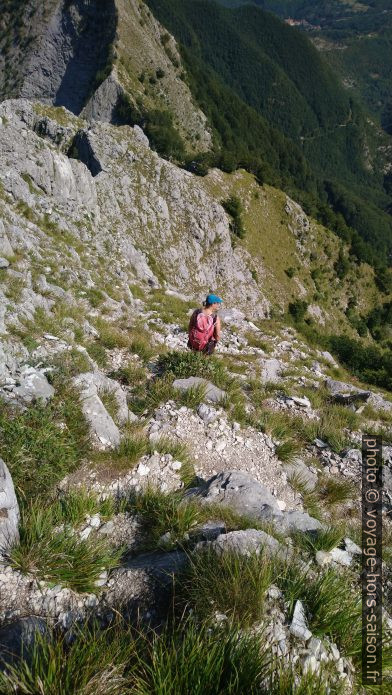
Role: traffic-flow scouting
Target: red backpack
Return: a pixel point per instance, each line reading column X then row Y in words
column 198, row 339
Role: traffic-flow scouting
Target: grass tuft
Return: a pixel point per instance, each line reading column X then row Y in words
column 227, row 583
column 326, row 539
column 59, row 556
column 334, row 491
column 95, row 661
column 288, row 450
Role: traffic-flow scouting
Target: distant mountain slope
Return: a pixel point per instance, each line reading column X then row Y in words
column 355, row 38
column 210, row 87
column 277, row 72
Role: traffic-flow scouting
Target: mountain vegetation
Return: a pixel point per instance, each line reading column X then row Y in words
column 277, row 109
column 173, row 523
column 354, row 37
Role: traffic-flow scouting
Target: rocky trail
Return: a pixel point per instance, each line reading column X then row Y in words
column 236, row 467
column 127, row 461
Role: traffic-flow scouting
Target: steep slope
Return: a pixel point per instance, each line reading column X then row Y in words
column 96, row 58
column 114, row 214
column 355, row 38
column 128, row 461
column 278, row 73
column 272, row 105
column 156, row 213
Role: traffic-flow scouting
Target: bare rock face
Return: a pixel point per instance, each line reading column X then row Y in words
column 103, row 104
column 9, row 510
column 100, row 191
column 74, row 47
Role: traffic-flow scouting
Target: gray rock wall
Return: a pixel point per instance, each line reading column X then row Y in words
column 64, row 64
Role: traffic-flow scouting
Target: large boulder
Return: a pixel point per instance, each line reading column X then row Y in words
column 212, row 393
column 9, row 510
column 242, row 493
column 17, row 639
column 345, row 393
column 32, row 385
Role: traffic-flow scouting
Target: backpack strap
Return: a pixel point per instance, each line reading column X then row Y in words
column 194, row 318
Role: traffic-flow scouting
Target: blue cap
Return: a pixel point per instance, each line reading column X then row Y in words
column 213, row 299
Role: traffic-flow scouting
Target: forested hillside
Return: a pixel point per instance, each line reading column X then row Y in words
column 249, row 72
column 355, row 38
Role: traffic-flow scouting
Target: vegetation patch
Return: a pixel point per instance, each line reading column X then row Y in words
column 44, row 443
column 57, row 554
column 227, row 583
column 185, row 364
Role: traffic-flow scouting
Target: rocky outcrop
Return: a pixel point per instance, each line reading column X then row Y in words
column 242, row 493
column 9, row 510
column 92, row 56
column 122, row 202
column 103, row 105
column 64, row 64
column 345, row 393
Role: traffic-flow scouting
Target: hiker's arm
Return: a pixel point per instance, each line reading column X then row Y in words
column 217, row 332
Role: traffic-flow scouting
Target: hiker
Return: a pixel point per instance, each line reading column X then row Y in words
column 205, row 327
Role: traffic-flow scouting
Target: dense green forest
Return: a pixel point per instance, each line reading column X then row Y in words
column 360, row 32
column 277, row 109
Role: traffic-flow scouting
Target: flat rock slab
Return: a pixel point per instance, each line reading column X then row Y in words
column 242, row 493
column 247, row 542
column 271, row 370
column 160, row 565
column 102, row 426
column 9, row 510
column 212, row 393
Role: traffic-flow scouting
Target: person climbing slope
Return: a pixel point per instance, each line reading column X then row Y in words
column 205, row 326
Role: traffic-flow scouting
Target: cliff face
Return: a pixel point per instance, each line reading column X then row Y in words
column 115, row 208
column 71, row 53
column 91, row 55
column 77, row 185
